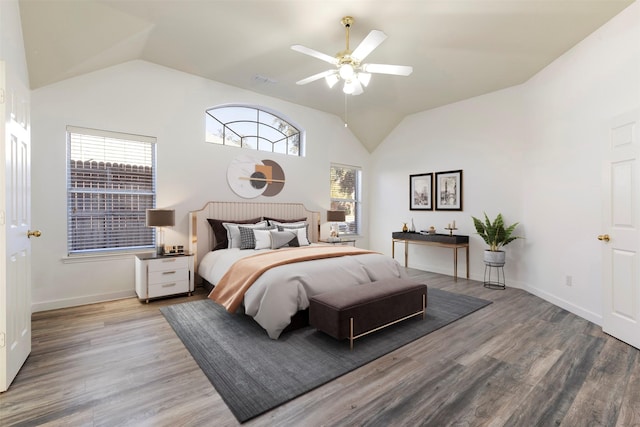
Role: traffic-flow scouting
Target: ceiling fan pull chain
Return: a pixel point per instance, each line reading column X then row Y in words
column 346, row 124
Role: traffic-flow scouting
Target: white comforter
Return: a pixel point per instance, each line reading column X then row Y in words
column 282, row 291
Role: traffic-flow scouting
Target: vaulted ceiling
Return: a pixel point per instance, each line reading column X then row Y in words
column 458, row 48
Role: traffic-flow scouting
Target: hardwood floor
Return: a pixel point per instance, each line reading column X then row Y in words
column 518, row 362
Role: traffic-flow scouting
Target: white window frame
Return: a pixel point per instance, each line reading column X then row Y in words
column 338, row 203
column 253, row 133
column 118, row 209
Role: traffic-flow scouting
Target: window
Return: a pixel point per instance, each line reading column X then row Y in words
column 252, row 128
column 345, row 195
column 111, row 182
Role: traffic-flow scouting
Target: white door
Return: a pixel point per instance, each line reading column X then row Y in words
column 621, row 234
column 15, row 218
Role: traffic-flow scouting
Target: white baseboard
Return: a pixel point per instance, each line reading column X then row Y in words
column 74, row 302
column 569, row 306
column 578, row 311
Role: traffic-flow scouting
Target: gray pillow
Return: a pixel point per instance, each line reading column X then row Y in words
column 300, row 230
column 282, row 238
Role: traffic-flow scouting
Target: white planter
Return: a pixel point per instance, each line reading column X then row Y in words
column 496, row 258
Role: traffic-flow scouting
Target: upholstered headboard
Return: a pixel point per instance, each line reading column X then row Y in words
column 200, row 233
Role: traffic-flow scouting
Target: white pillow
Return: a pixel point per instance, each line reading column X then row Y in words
column 263, row 239
column 233, row 233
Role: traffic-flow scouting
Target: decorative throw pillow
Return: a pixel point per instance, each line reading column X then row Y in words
column 280, row 239
column 247, row 238
column 300, row 229
column 276, row 221
column 220, row 232
column 233, row 232
column 263, row 238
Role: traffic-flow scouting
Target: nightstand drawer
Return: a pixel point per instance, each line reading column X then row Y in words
column 158, row 277
column 164, row 264
column 168, row 288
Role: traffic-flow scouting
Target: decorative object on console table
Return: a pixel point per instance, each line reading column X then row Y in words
column 495, row 234
column 164, row 275
column 160, row 218
column 451, row 227
column 334, row 217
column 449, row 191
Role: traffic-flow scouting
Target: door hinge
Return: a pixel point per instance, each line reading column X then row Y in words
column 1, row 339
column 1, row 96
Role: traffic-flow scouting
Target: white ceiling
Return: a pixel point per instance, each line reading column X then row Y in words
column 458, row 49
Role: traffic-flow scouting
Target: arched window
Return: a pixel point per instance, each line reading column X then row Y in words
column 252, row 128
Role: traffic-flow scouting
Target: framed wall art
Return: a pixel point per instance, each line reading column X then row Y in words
column 448, row 195
column 421, row 192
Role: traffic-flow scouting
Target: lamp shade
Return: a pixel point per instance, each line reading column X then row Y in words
column 335, row 216
column 160, row 217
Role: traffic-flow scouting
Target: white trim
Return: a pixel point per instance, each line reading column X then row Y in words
column 74, row 302
column 578, row 311
column 111, row 134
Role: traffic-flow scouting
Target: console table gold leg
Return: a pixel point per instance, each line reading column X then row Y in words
column 467, row 250
column 406, row 253
column 455, row 264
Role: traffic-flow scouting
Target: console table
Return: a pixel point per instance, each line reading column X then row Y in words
column 441, row 240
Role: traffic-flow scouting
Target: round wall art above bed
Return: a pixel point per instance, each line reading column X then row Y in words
column 250, row 178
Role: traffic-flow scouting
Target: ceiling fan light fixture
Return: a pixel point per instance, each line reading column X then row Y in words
column 349, row 87
column 346, row 71
column 332, row 79
column 364, row 78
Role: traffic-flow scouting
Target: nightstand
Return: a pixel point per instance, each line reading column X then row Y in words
column 163, row 275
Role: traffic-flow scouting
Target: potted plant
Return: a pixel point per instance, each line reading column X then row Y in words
column 496, row 235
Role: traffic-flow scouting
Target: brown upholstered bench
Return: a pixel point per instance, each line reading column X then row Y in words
column 358, row 311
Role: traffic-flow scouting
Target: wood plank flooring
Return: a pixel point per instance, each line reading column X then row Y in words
column 519, row 362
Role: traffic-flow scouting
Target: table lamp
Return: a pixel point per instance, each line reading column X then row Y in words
column 335, row 217
column 160, row 218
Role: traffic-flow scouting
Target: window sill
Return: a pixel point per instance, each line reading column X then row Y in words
column 74, row 259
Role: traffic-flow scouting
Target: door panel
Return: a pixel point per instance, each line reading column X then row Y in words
column 15, row 218
column 621, row 261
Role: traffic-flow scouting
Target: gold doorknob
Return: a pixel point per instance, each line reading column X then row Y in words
column 34, row 233
column 604, row 237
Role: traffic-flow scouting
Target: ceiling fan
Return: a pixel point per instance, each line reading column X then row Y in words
column 348, row 64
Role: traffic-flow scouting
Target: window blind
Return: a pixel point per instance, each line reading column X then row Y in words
column 345, row 195
column 111, row 182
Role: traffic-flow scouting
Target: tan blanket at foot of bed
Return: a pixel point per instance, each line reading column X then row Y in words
column 230, row 291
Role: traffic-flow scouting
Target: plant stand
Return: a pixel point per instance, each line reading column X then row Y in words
column 496, row 269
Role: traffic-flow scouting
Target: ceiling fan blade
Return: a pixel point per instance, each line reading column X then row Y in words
column 311, row 52
column 366, row 46
column 316, row 77
column 396, row 70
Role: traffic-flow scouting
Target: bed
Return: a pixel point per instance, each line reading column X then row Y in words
column 281, row 293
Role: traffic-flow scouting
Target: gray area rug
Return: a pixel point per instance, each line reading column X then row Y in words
column 254, row 373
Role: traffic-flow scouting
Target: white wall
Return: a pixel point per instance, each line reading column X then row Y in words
column 484, row 137
column 532, row 152
column 143, row 98
column 571, row 104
